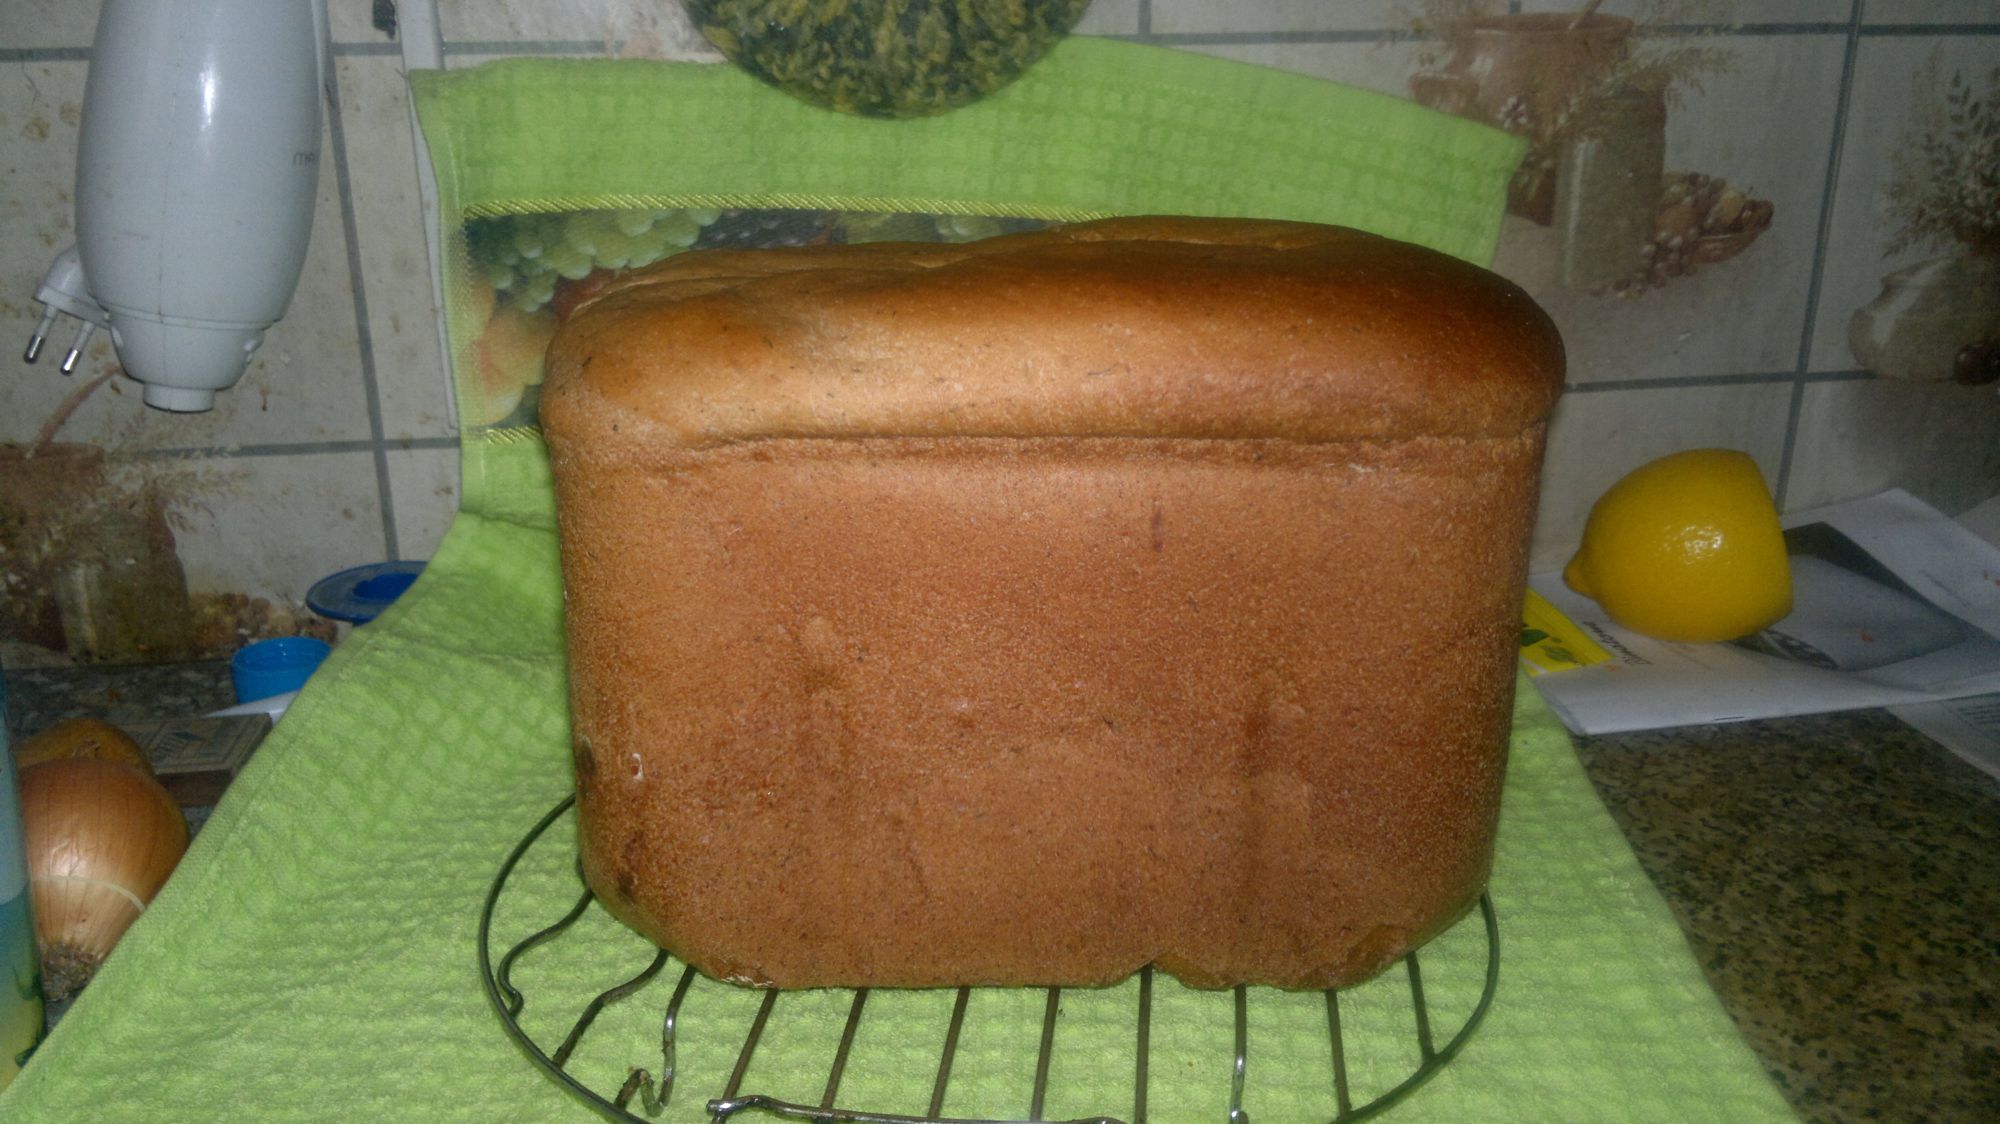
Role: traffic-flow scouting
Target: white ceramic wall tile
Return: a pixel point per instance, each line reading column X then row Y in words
column 631, row 29
column 1939, row 441
column 1109, row 17
column 529, row 21
column 270, row 526
column 1881, row 116
column 1599, row 436
column 40, row 106
column 1930, row 11
column 1765, row 126
column 1983, row 520
column 402, row 312
column 1207, row 17
column 423, row 487
column 303, row 384
column 32, row 24
column 353, row 21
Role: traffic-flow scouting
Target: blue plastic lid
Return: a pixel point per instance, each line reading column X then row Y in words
column 272, row 667
column 359, row 595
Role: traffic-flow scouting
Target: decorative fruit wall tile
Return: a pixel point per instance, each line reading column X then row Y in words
column 1719, row 13
column 1668, row 257
column 413, row 391
column 1912, row 282
column 424, row 486
column 1597, row 437
column 1666, row 211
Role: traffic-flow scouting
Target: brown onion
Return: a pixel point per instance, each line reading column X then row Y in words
column 102, row 837
column 81, row 737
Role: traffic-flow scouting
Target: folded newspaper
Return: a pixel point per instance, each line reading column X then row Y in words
column 1893, row 605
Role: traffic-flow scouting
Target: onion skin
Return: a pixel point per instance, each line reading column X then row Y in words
column 102, row 837
column 81, row 737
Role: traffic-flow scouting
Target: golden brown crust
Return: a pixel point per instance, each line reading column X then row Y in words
column 923, row 690
column 1134, row 327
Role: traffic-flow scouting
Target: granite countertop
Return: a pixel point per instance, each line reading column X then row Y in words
column 1837, row 876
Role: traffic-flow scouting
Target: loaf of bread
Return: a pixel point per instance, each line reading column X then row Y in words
column 1031, row 610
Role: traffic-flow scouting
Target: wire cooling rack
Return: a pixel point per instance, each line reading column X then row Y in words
column 565, row 1022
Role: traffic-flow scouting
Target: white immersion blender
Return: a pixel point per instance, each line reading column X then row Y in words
column 196, row 172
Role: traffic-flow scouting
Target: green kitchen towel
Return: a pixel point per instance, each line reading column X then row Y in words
column 313, row 959
column 314, row 956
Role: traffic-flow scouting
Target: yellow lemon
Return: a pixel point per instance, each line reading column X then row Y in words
column 1686, row 548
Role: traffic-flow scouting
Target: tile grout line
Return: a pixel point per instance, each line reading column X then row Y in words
column 365, row 336
column 1268, row 37
column 291, row 448
column 1802, row 366
column 1682, row 382
column 1275, row 37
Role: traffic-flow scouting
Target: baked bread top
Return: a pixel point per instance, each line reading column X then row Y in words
column 1118, row 328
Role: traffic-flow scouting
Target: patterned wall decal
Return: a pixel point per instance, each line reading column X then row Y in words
column 530, row 271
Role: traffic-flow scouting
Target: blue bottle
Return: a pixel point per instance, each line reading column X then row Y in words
column 20, row 967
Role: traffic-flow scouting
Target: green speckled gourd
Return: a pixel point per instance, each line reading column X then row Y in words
column 886, row 58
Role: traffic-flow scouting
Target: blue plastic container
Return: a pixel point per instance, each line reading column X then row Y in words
column 272, row 667
column 359, row 595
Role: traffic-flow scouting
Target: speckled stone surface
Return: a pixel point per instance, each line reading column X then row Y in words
column 1838, row 877
column 39, row 697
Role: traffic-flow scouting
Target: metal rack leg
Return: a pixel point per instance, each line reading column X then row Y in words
column 1047, row 1051
column 950, row 1051
column 1342, row 1098
column 1145, row 1049
column 846, row 1047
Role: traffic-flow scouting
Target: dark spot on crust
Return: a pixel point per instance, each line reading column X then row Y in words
column 1158, row 528
column 585, row 761
column 1257, row 731
column 631, row 856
